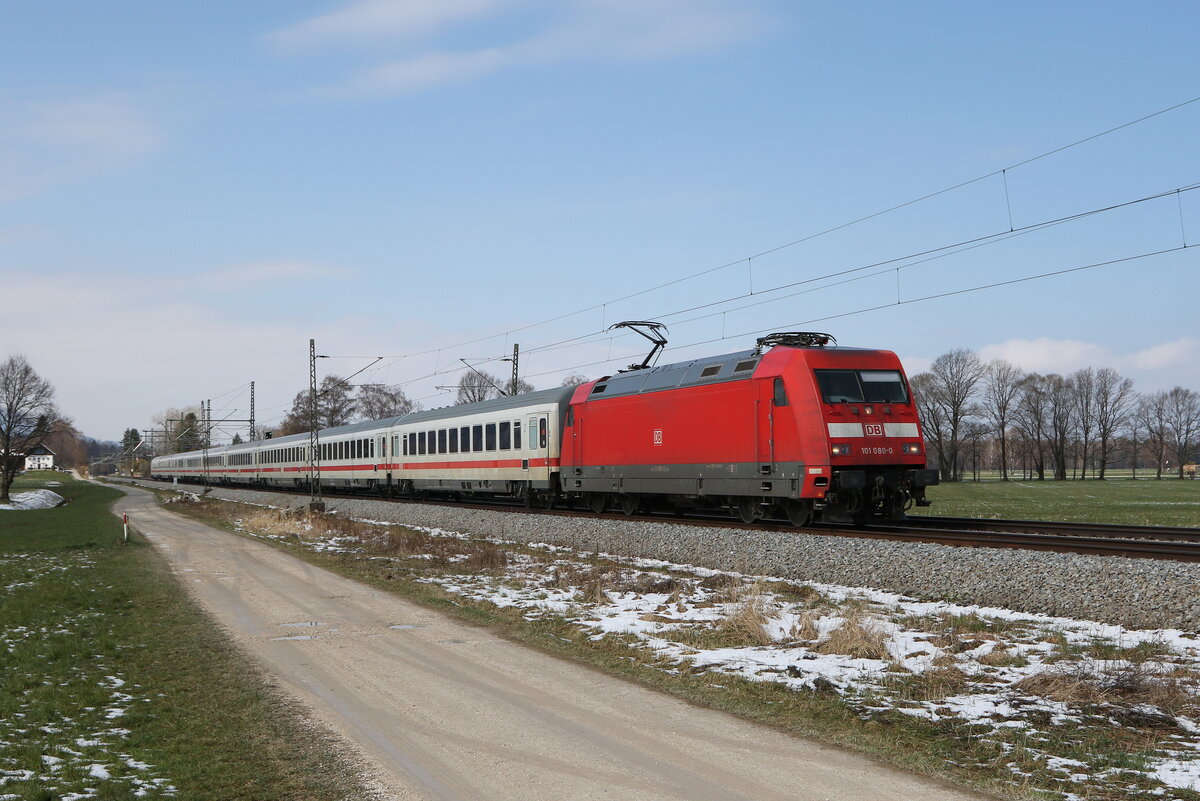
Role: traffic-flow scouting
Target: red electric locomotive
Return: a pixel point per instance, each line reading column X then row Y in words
column 796, row 427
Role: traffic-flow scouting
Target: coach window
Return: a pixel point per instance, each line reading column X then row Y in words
column 442, row 441
column 464, row 438
column 477, row 438
column 454, row 440
column 517, row 435
column 404, row 439
column 505, row 436
column 533, row 433
column 542, row 432
column 489, row 432
column 431, row 437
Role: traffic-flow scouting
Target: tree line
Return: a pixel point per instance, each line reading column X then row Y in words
column 992, row 415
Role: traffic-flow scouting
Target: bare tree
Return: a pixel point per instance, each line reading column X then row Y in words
column 951, row 388
column 1114, row 402
column 1061, row 419
column 1151, row 418
column 335, row 407
column 1183, row 423
column 574, row 380
column 937, row 434
column 1083, row 388
column 376, row 402
column 475, row 386
column 27, row 416
column 1001, row 388
column 1030, row 417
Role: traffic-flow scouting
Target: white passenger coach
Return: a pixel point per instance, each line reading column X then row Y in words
column 507, row 446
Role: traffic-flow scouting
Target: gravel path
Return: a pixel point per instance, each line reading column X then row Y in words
column 1138, row 593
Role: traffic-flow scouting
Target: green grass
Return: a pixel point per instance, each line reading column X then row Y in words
column 1169, row 502
column 107, row 668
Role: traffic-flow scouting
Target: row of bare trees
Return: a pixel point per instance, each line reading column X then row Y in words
column 1076, row 424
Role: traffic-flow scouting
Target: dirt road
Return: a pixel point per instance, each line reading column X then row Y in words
column 442, row 710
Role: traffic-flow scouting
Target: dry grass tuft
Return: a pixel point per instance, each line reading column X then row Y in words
column 856, row 638
column 596, row 585
column 721, row 582
column 805, row 627
column 485, row 556
column 747, row 622
column 1118, row 682
column 1001, row 656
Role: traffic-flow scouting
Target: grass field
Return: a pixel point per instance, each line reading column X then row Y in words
column 1170, row 502
column 113, row 685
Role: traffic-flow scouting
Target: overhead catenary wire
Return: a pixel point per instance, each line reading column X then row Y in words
column 1003, row 171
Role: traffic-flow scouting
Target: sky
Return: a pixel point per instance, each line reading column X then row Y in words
column 190, row 192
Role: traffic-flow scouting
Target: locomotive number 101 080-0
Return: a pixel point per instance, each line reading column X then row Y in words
column 876, row 451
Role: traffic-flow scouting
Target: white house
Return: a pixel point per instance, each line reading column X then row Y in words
column 40, row 458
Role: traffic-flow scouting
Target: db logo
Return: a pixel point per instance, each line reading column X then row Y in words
column 873, row 429
column 658, row 436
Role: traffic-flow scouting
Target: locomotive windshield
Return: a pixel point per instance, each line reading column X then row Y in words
column 862, row 386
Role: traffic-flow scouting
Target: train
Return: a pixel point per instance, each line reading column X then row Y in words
column 797, row 428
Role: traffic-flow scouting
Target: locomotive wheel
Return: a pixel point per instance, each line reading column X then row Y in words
column 748, row 510
column 629, row 505
column 597, row 502
column 799, row 513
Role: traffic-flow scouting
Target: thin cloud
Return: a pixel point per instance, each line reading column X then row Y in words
column 424, row 72
column 44, row 142
column 262, row 272
column 1161, row 366
column 370, row 21
column 581, row 30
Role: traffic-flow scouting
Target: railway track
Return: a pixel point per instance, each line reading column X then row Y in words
column 1136, row 542
column 1178, row 534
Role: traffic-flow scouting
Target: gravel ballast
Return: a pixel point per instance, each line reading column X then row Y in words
column 1137, row 593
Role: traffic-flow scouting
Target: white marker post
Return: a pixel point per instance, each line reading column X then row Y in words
column 125, row 523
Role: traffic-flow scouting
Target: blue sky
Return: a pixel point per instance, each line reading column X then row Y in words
column 189, row 192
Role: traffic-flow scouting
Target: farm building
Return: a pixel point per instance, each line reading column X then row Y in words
column 40, row 458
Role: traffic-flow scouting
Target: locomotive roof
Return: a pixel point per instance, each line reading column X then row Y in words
column 737, row 366
column 705, row 370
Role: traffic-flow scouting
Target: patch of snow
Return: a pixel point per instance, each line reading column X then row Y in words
column 34, row 499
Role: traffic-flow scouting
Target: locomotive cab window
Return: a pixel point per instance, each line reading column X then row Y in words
column 862, row 386
column 840, row 386
column 883, row 386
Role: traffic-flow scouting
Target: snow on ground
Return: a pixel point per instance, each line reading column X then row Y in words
column 33, row 499
column 66, row 719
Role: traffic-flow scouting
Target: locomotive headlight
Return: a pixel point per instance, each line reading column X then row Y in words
column 912, row 447
column 840, row 450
